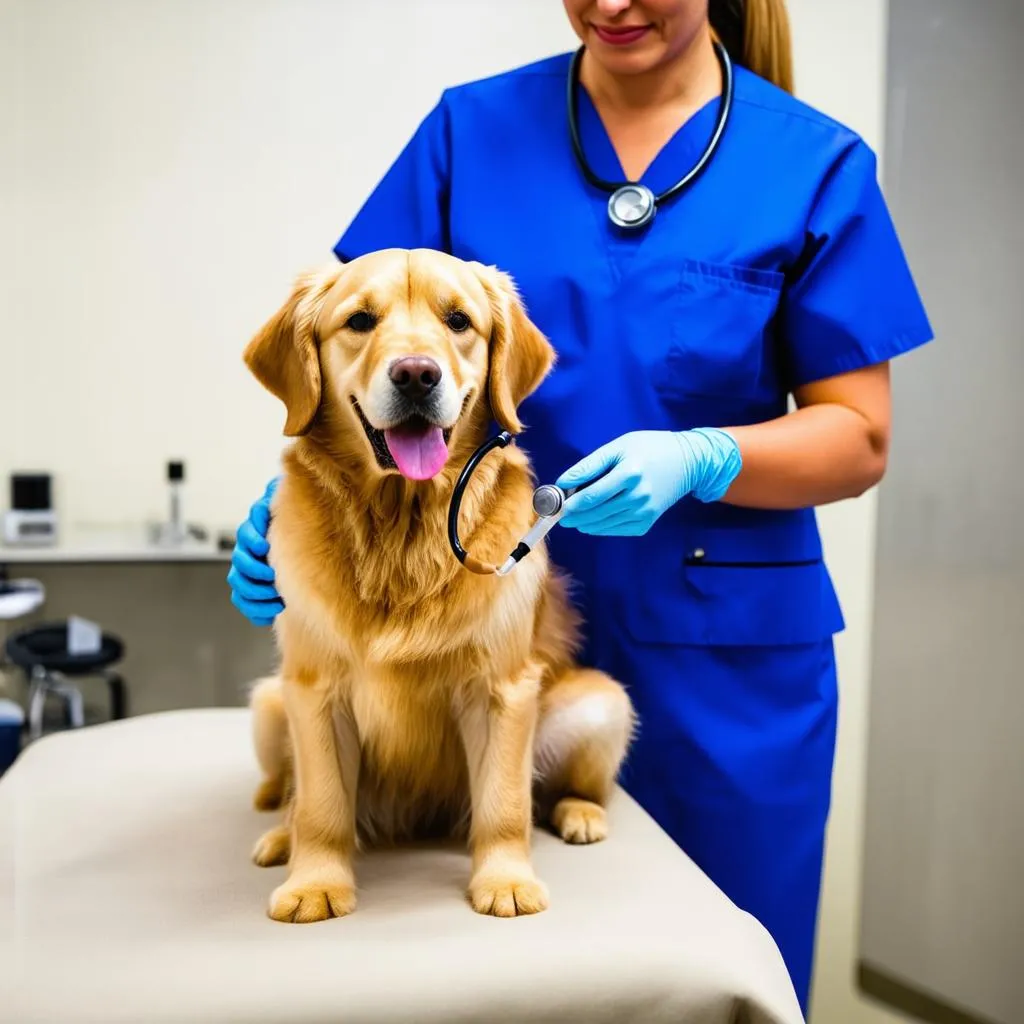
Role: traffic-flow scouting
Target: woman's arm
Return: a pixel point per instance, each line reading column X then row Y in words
column 834, row 446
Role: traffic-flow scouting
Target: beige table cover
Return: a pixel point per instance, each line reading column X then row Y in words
column 127, row 895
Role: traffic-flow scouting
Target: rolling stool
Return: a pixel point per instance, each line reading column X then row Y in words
column 41, row 652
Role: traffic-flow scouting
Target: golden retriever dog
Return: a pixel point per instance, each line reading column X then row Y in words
column 415, row 698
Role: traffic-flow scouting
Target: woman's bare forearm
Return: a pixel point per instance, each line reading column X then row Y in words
column 814, row 456
column 833, row 447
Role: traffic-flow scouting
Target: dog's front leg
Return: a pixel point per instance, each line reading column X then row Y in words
column 321, row 882
column 497, row 730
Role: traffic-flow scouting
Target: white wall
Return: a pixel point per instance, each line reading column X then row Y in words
column 172, row 164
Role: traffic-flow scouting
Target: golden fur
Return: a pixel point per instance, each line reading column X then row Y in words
column 414, row 697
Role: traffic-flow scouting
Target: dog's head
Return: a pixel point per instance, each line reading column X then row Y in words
column 392, row 352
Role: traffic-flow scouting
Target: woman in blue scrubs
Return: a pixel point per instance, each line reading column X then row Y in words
column 776, row 271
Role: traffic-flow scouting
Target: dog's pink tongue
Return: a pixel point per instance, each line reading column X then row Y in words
column 419, row 452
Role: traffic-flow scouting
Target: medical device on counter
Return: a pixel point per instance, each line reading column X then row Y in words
column 31, row 521
column 174, row 531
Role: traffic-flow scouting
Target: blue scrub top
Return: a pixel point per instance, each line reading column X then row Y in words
column 780, row 266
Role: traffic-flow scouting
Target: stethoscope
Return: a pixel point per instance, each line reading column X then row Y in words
column 548, row 505
column 632, row 205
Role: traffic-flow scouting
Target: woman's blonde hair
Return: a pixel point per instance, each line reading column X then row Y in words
column 756, row 34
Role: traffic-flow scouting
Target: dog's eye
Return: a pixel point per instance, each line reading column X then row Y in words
column 361, row 322
column 457, row 321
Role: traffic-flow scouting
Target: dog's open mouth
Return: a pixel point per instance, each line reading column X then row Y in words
column 417, row 448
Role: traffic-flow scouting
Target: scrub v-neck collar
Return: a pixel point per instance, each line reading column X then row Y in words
column 672, row 162
column 675, row 158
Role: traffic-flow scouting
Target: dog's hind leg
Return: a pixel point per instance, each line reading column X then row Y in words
column 273, row 847
column 586, row 724
column 270, row 738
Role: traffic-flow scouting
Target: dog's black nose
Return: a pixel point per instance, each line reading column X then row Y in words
column 415, row 376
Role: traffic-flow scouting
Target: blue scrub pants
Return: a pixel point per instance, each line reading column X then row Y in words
column 734, row 760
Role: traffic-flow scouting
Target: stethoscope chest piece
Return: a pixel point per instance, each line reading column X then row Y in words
column 548, row 500
column 631, row 206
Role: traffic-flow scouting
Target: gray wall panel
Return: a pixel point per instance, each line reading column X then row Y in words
column 944, row 850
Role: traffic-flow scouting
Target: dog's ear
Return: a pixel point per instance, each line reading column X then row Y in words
column 284, row 355
column 520, row 356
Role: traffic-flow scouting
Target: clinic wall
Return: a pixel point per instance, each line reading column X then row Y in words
column 170, row 166
column 943, row 907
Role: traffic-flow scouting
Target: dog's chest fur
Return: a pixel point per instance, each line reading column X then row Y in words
column 413, row 777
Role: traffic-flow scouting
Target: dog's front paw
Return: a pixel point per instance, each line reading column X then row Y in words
column 273, row 847
column 580, row 821
column 508, row 894
column 307, row 898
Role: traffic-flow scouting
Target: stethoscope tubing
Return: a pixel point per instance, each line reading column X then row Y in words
column 725, row 105
column 500, row 440
column 548, row 503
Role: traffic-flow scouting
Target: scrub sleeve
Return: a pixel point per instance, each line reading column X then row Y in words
column 855, row 302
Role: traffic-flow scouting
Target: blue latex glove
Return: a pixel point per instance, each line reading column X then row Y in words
column 645, row 473
column 251, row 579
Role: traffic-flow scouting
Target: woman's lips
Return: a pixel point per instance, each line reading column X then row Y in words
column 624, row 36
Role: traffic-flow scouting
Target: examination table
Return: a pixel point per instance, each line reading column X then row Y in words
column 127, row 895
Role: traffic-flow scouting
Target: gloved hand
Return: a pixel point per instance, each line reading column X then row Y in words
column 643, row 474
column 251, row 579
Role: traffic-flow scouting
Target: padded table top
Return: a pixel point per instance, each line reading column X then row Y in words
column 127, row 895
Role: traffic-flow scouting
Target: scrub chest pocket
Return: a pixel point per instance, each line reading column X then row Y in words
column 721, row 342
